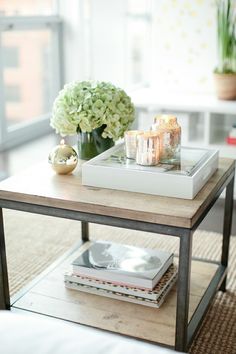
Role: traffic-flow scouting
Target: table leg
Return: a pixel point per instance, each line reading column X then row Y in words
column 183, row 287
column 4, row 287
column 85, row 231
column 228, row 212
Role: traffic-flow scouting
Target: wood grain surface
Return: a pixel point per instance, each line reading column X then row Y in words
column 39, row 185
column 50, row 297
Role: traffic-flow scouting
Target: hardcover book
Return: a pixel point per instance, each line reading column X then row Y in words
column 123, row 297
column 154, row 294
column 123, row 264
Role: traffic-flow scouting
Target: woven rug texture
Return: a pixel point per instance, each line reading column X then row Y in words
column 33, row 242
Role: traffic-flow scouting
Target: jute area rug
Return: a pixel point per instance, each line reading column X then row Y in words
column 34, row 242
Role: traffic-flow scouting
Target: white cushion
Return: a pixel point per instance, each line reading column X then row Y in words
column 32, row 334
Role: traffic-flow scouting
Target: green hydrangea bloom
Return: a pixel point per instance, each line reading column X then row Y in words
column 87, row 105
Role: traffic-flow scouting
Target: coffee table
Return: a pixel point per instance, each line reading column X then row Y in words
column 39, row 190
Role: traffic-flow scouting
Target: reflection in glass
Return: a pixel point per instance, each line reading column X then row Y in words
column 190, row 160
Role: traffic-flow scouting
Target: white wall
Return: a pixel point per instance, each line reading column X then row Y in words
column 183, row 41
column 108, row 40
column 184, row 45
column 75, row 43
column 94, row 37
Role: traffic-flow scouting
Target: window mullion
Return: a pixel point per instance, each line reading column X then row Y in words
column 2, row 98
column 24, row 22
column 57, row 65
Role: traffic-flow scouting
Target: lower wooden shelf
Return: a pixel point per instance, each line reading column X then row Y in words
column 50, row 297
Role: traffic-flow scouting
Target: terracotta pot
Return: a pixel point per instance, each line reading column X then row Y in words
column 225, row 86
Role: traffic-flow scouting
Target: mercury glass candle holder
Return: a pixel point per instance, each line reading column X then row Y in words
column 170, row 137
column 148, row 149
column 131, row 143
column 158, row 120
column 63, row 158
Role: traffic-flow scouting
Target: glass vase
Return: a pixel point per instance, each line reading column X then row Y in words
column 92, row 144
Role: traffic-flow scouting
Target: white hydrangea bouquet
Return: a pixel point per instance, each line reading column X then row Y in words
column 87, row 105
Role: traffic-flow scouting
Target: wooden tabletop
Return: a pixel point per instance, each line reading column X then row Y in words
column 41, row 186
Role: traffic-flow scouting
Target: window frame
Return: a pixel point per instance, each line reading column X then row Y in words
column 22, row 132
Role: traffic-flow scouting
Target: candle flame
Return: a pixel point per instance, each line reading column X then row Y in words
column 62, row 142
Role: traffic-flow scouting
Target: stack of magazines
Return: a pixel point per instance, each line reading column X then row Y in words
column 139, row 275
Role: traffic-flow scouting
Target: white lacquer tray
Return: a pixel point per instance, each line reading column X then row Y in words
column 113, row 170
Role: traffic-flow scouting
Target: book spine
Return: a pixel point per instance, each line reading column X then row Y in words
column 75, row 286
column 134, row 283
column 122, row 279
column 231, row 141
column 124, row 290
column 109, row 294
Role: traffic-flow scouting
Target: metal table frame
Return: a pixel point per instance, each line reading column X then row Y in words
column 185, row 331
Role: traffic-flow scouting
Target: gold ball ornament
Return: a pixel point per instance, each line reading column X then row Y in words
column 63, row 158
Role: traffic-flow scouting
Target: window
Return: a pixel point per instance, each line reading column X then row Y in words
column 33, row 77
column 12, row 93
column 10, row 57
column 30, row 68
column 26, row 7
column 118, row 36
column 138, row 52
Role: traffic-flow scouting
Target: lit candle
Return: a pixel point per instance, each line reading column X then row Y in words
column 63, row 158
column 148, row 149
column 170, row 137
column 131, row 143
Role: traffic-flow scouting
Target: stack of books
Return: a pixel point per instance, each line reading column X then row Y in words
column 231, row 138
column 139, row 275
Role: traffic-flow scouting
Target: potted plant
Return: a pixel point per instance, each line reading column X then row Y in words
column 98, row 112
column 225, row 73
